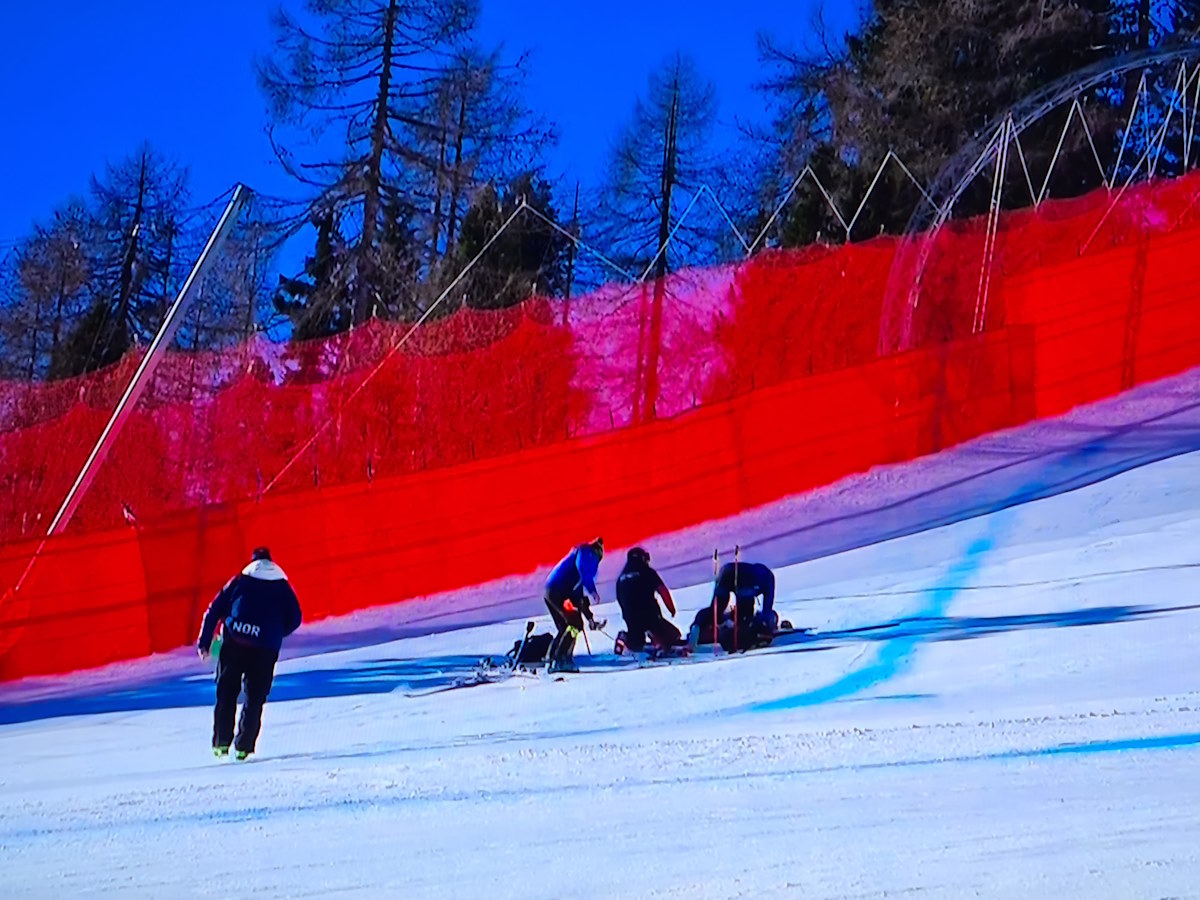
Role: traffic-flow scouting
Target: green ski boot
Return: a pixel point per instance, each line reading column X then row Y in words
column 221, row 752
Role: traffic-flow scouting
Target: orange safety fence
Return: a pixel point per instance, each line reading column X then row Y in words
column 494, row 440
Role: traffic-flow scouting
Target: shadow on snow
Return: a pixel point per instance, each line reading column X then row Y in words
column 382, row 676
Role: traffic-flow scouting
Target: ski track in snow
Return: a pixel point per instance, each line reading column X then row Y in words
column 1003, row 706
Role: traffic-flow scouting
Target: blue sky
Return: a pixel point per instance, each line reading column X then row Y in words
column 85, row 82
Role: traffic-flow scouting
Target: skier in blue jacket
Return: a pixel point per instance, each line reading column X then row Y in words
column 570, row 592
column 256, row 609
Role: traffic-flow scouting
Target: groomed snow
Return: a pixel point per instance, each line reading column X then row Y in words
column 1003, row 707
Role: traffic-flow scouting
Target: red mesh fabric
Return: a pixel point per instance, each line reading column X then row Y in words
column 803, row 313
column 491, row 440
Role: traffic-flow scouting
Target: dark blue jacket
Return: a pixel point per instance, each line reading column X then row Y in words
column 575, row 574
column 747, row 581
column 257, row 608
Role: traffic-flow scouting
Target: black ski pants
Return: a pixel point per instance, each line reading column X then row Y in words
column 241, row 665
column 568, row 623
column 662, row 633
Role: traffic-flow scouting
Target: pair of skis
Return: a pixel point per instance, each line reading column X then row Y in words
column 485, row 672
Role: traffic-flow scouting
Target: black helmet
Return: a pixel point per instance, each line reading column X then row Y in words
column 638, row 555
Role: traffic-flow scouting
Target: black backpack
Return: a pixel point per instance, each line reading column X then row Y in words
column 535, row 649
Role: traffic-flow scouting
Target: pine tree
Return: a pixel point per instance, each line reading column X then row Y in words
column 52, row 271
column 319, row 302
column 138, row 252
column 667, row 147
column 348, row 82
column 473, row 131
column 924, row 79
column 529, row 256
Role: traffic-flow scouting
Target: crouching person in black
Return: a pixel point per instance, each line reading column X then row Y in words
column 638, row 590
column 257, row 609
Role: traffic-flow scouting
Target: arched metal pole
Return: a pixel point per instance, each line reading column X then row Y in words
column 137, row 384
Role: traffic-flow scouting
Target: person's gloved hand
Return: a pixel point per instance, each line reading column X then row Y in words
column 203, row 652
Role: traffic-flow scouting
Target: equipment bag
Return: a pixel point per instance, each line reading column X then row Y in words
column 535, row 649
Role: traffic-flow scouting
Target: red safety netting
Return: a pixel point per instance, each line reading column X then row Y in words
column 490, row 439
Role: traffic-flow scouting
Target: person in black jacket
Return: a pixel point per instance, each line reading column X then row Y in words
column 257, row 609
column 638, row 589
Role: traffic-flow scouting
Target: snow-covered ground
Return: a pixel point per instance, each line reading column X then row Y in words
column 1008, row 706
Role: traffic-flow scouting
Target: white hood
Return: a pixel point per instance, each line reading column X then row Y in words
column 264, row 570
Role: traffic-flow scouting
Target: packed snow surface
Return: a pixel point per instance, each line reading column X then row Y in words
column 1006, row 706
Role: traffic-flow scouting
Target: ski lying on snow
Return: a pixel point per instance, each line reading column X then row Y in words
column 704, row 652
column 483, row 674
column 487, row 672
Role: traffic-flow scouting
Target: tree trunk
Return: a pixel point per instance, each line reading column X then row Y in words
column 125, row 295
column 639, row 372
column 166, row 294
column 37, row 319
column 670, row 135
column 374, row 173
column 456, row 175
column 439, row 178
column 571, row 250
column 195, row 348
column 668, row 183
column 252, row 293
column 56, row 328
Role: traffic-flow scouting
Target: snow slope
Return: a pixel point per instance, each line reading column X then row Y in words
column 1006, row 706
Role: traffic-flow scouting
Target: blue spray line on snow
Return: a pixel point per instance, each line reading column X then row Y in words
column 895, row 657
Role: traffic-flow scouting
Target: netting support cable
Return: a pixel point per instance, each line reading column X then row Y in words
column 1062, row 139
column 1191, row 131
column 1157, row 139
column 1141, row 94
column 1025, row 169
column 370, row 376
column 1161, row 138
column 670, row 237
column 867, row 196
column 848, row 227
column 779, row 209
column 1087, row 131
column 829, row 201
column 580, row 243
column 725, row 214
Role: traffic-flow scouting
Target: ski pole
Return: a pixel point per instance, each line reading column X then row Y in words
column 737, row 613
column 517, row 659
column 716, row 586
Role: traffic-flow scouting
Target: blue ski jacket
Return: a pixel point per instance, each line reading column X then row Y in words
column 257, row 607
column 574, row 575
